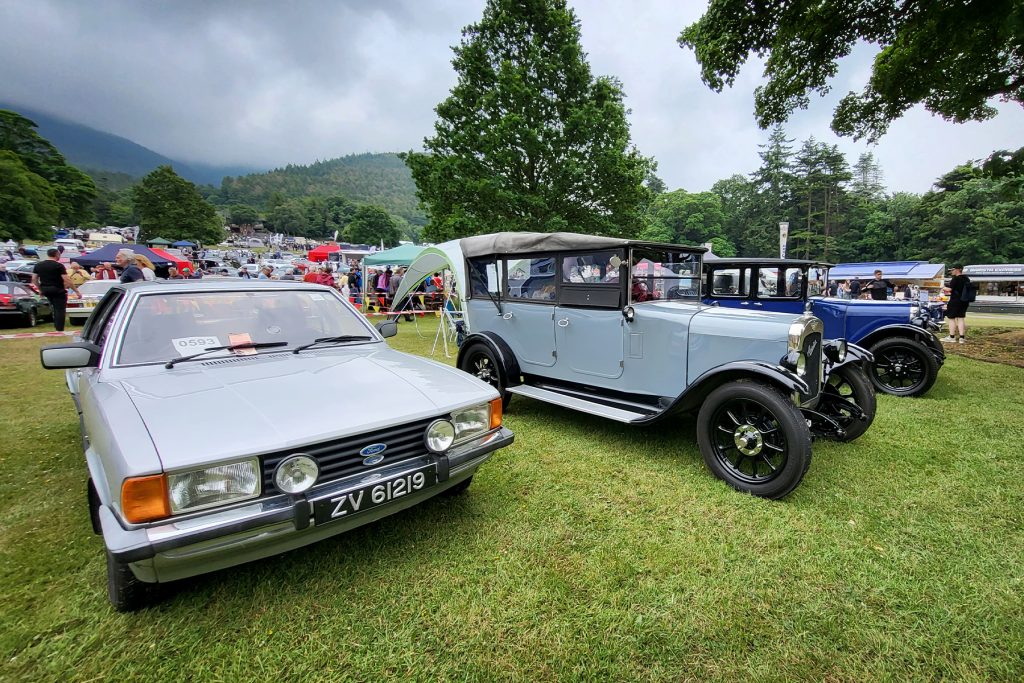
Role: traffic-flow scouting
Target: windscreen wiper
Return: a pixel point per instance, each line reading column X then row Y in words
column 340, row 339
column 227, row 347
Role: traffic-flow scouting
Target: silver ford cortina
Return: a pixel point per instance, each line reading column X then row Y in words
column 229, row 421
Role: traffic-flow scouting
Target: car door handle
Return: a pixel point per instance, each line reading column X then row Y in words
column 564, row 322
column 758, row 303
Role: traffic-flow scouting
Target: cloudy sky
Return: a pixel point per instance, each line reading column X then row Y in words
column 268, row 83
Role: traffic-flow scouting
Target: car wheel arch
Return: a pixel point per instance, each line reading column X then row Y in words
column 755, row 371
column 508, row 366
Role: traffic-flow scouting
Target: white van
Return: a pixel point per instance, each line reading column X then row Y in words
column 70, row 244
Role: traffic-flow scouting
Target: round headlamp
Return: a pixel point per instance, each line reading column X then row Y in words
column 440, row 436
column 296, row 474
column 842, row 347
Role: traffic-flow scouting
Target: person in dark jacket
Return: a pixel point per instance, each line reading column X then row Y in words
column 855, row 288
column 956, row 308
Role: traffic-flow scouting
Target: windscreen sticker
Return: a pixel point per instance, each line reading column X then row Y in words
column 186, row 346
column 241, row 338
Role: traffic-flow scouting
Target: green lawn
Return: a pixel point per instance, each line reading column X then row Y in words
column 587, row 551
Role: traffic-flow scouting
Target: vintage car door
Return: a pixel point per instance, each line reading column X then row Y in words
column 589, row 325
column 528, row 307
column 729, row 286
column 780, row 289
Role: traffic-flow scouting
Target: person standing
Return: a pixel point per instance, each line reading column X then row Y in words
column 956, row 308
column 105, row 271
column 855, row 288
column 78, row 275
column 126, row 261
column 51, row 277
column 4, row 275
column 878, row 288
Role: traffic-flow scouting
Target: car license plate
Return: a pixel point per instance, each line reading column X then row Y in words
column 373, row 495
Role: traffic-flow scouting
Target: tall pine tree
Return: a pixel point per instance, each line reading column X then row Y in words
column 529, row 139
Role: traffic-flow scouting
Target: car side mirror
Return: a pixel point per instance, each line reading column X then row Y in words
column 387, row 328
column 67, row 356
column 629, row 314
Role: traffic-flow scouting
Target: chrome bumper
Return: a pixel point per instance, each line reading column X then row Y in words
column 171, row 550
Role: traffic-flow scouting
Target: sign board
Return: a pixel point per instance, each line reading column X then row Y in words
column 783, row 238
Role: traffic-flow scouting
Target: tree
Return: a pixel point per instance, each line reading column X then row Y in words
column 372, row 225
column 171, row 207
column 289, row 218
column 682, row 217
column 528, row 138
column 951, row 56
column 73, row 190
column 27, row 204
column 243, row 214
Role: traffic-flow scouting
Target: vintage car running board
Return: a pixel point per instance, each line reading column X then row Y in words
column 579, row 404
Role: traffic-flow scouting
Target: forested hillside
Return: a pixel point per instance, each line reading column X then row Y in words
column 379, row 179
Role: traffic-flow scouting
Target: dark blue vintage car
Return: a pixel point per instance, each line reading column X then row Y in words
column 907, row 356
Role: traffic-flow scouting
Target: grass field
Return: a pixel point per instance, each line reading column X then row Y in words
column 586, row 551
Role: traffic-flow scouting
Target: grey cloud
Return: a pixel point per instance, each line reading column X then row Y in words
column 270, row 83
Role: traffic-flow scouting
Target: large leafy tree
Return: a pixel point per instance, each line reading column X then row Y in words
column 373, row 225
column 28, row 206
column 73, row 190
column 951, row 56
column 683, row 217
column 529, row 139
column 170, row 206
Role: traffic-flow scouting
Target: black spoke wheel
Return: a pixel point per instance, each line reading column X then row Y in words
column 903, row 367
column 845, row 386
column 753, row 438
column 480, row 362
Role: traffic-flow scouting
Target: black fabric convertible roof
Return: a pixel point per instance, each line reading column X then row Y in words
column 531, row 242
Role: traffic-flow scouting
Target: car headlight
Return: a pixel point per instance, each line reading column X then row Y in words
column 296, row 474
column 212, row 486
column 471, row 421
column 440, row 436
column 836, row 351
column 915, row 311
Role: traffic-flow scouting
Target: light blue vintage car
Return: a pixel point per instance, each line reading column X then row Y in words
column 616, row 328
column 227, row 421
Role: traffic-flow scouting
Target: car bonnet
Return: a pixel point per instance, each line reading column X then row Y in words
column 228, row 408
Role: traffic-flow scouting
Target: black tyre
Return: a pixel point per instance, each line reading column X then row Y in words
column 480, row 362
column 845, row 385
column 125, row 591
column 94, row 508
column 753, row 438
column 903, row 367
column 31, row 318
column 458, row 489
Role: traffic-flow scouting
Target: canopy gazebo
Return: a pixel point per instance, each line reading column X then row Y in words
column 402, row 255
column 158, row 242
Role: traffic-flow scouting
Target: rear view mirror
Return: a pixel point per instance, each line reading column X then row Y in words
column 66, row 356
column 387, row 328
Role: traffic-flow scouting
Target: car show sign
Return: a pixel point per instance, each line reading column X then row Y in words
column 783, row 238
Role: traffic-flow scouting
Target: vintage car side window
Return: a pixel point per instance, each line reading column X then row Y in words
column 663, row 275
column 730, row 282
column 780, row 283
column 599, row 268
column 484, row 277
column 531, row 279
column 817, row 282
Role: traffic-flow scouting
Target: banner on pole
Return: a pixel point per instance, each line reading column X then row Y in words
column 783, row 237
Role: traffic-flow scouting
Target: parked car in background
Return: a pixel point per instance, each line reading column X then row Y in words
column 21, row 270
column 269, row 475
column 907, row 356
column 616, row 328
column 21, row 303
column 90, row 293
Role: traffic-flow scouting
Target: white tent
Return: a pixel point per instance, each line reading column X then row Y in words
column 444, row 256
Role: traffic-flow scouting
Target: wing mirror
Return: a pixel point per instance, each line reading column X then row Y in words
column 67, row 356
column 629, row 314
column 387, row 328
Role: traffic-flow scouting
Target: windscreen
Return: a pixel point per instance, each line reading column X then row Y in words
column 169, row 325
column 663, row 275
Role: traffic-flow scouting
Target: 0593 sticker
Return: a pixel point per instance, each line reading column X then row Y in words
column 186, row 346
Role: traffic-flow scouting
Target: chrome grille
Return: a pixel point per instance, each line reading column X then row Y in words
column 340, row 457
column 813, row 354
